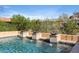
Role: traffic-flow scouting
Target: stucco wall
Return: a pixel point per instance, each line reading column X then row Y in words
column 27, row 34
column 67, row 38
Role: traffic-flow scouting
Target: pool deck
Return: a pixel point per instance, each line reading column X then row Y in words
column 8, row 33
column 75, row 49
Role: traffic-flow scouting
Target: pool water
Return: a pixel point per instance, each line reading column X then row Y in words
column 18, row 45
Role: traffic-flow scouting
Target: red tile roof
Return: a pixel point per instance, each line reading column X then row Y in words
column 5, row 19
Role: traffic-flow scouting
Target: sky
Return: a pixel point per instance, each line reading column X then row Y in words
column 37, row 11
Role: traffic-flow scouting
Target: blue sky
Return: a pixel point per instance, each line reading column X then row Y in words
column 37, row 11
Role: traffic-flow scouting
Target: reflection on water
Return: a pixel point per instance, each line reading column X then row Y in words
column 7, row 39
column 24, row 45
column 50, row 44
column 39, row 43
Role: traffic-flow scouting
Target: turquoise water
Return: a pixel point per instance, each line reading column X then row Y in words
column 17, row 45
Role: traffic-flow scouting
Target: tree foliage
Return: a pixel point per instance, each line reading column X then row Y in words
column 20, row 22
column 60, row 25
column 70, row 27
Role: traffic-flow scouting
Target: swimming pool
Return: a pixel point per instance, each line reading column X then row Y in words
column 18, row 45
